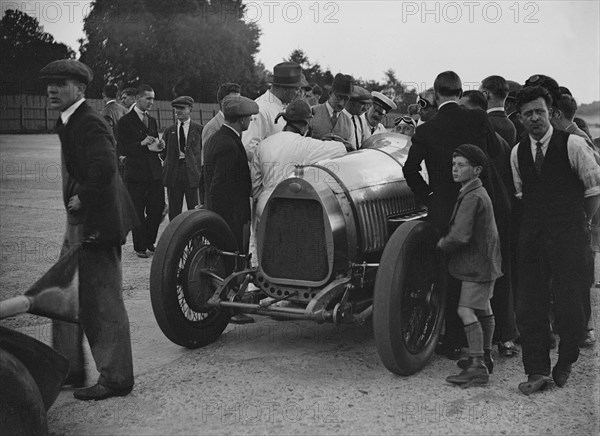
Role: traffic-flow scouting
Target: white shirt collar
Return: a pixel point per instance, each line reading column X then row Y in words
column 236, row 132
column 139, row 112
column 495, row 109
column 66, row 114
column 447, row 102
column 109, row 102
column 544, row 140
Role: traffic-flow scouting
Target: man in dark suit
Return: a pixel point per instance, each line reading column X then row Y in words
column 434, row 142
column 181, row 170
column 137, row 135
column 510, row 107
column 495, row 89
column 99, row 215
column 227, row 182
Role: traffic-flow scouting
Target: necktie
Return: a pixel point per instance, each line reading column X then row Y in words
column 334, row 118
column 539, row 157
column 356, row 133
column 181, row 138
column 145, row 118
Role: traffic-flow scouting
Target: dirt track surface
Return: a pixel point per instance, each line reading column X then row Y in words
column 272, row 377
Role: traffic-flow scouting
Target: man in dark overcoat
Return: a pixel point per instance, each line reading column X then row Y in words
column 227, row 182
column 434, row 143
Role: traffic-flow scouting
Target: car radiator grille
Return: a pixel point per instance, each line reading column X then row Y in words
column 294, row 245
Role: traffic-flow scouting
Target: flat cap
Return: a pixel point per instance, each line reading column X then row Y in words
column 383, row 100
column 67, row 69
column 297, row 110
column 472, row 153
column 183, row 100
column 238, row 106
column 361, row 94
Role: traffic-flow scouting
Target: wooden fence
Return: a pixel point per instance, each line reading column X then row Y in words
column 30, row 113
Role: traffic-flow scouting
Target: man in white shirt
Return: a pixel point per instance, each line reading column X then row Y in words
column 287, row 79
column 277, row 156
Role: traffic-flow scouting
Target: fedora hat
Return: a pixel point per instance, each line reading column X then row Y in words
column 342, row 84
column 287, row 74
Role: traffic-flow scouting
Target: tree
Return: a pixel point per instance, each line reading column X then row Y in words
column 25, row 49
column 178, row 47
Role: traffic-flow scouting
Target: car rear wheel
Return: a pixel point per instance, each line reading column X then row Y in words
column 23, row 411
column 409, row 298
column 182, row 277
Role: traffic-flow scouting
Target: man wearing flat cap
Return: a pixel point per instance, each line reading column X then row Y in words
column 381, row 106
column 227, row 182
column 182, row 156
column 434, row 142
column 276, row 156
column 327, row 120
column 285, row 87
column 357, row 105
column 99, row 216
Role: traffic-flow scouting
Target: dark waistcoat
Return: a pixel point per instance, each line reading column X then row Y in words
column 554, row 198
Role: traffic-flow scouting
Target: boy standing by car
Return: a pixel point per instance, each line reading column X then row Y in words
column 473, row 249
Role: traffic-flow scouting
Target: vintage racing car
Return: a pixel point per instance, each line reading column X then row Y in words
column 339, row 241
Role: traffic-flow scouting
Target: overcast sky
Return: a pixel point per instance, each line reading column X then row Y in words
column 416, row 39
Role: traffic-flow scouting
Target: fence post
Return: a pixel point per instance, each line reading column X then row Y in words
column 22, row 118
column 47, row 124
column 158, row 117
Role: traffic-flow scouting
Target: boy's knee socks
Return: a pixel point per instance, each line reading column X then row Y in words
column 488, row 324
column 474, row 335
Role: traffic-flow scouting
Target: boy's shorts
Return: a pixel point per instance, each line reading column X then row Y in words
column 476, row 295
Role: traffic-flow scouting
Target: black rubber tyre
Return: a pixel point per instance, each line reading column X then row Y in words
column 409, row 298
column 23, row 411
column 178, row 290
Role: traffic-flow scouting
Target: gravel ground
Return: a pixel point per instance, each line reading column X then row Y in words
column 272, row 377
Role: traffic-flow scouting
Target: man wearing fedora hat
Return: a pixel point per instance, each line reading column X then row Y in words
column 276, row 157
column 182, row 155
column 357, row 105
column 382, row 104
column 99, row 216
column 287, row 80
column 327, row 119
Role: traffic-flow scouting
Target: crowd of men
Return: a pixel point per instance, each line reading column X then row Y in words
column 543, row 179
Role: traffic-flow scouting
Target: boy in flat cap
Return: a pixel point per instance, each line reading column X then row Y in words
column 473, row 249
column 99, row 216
column 183, row 153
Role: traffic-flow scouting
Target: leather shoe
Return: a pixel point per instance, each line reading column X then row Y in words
column 560, row 374
column 241, row 318
column 465, row 362
column 141, row 254
column 475, row 374
column 507, row 349
column 534, row 383
column 100, row 392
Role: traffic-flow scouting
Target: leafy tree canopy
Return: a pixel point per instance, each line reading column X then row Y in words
column 179, row 47
column 25, row 49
